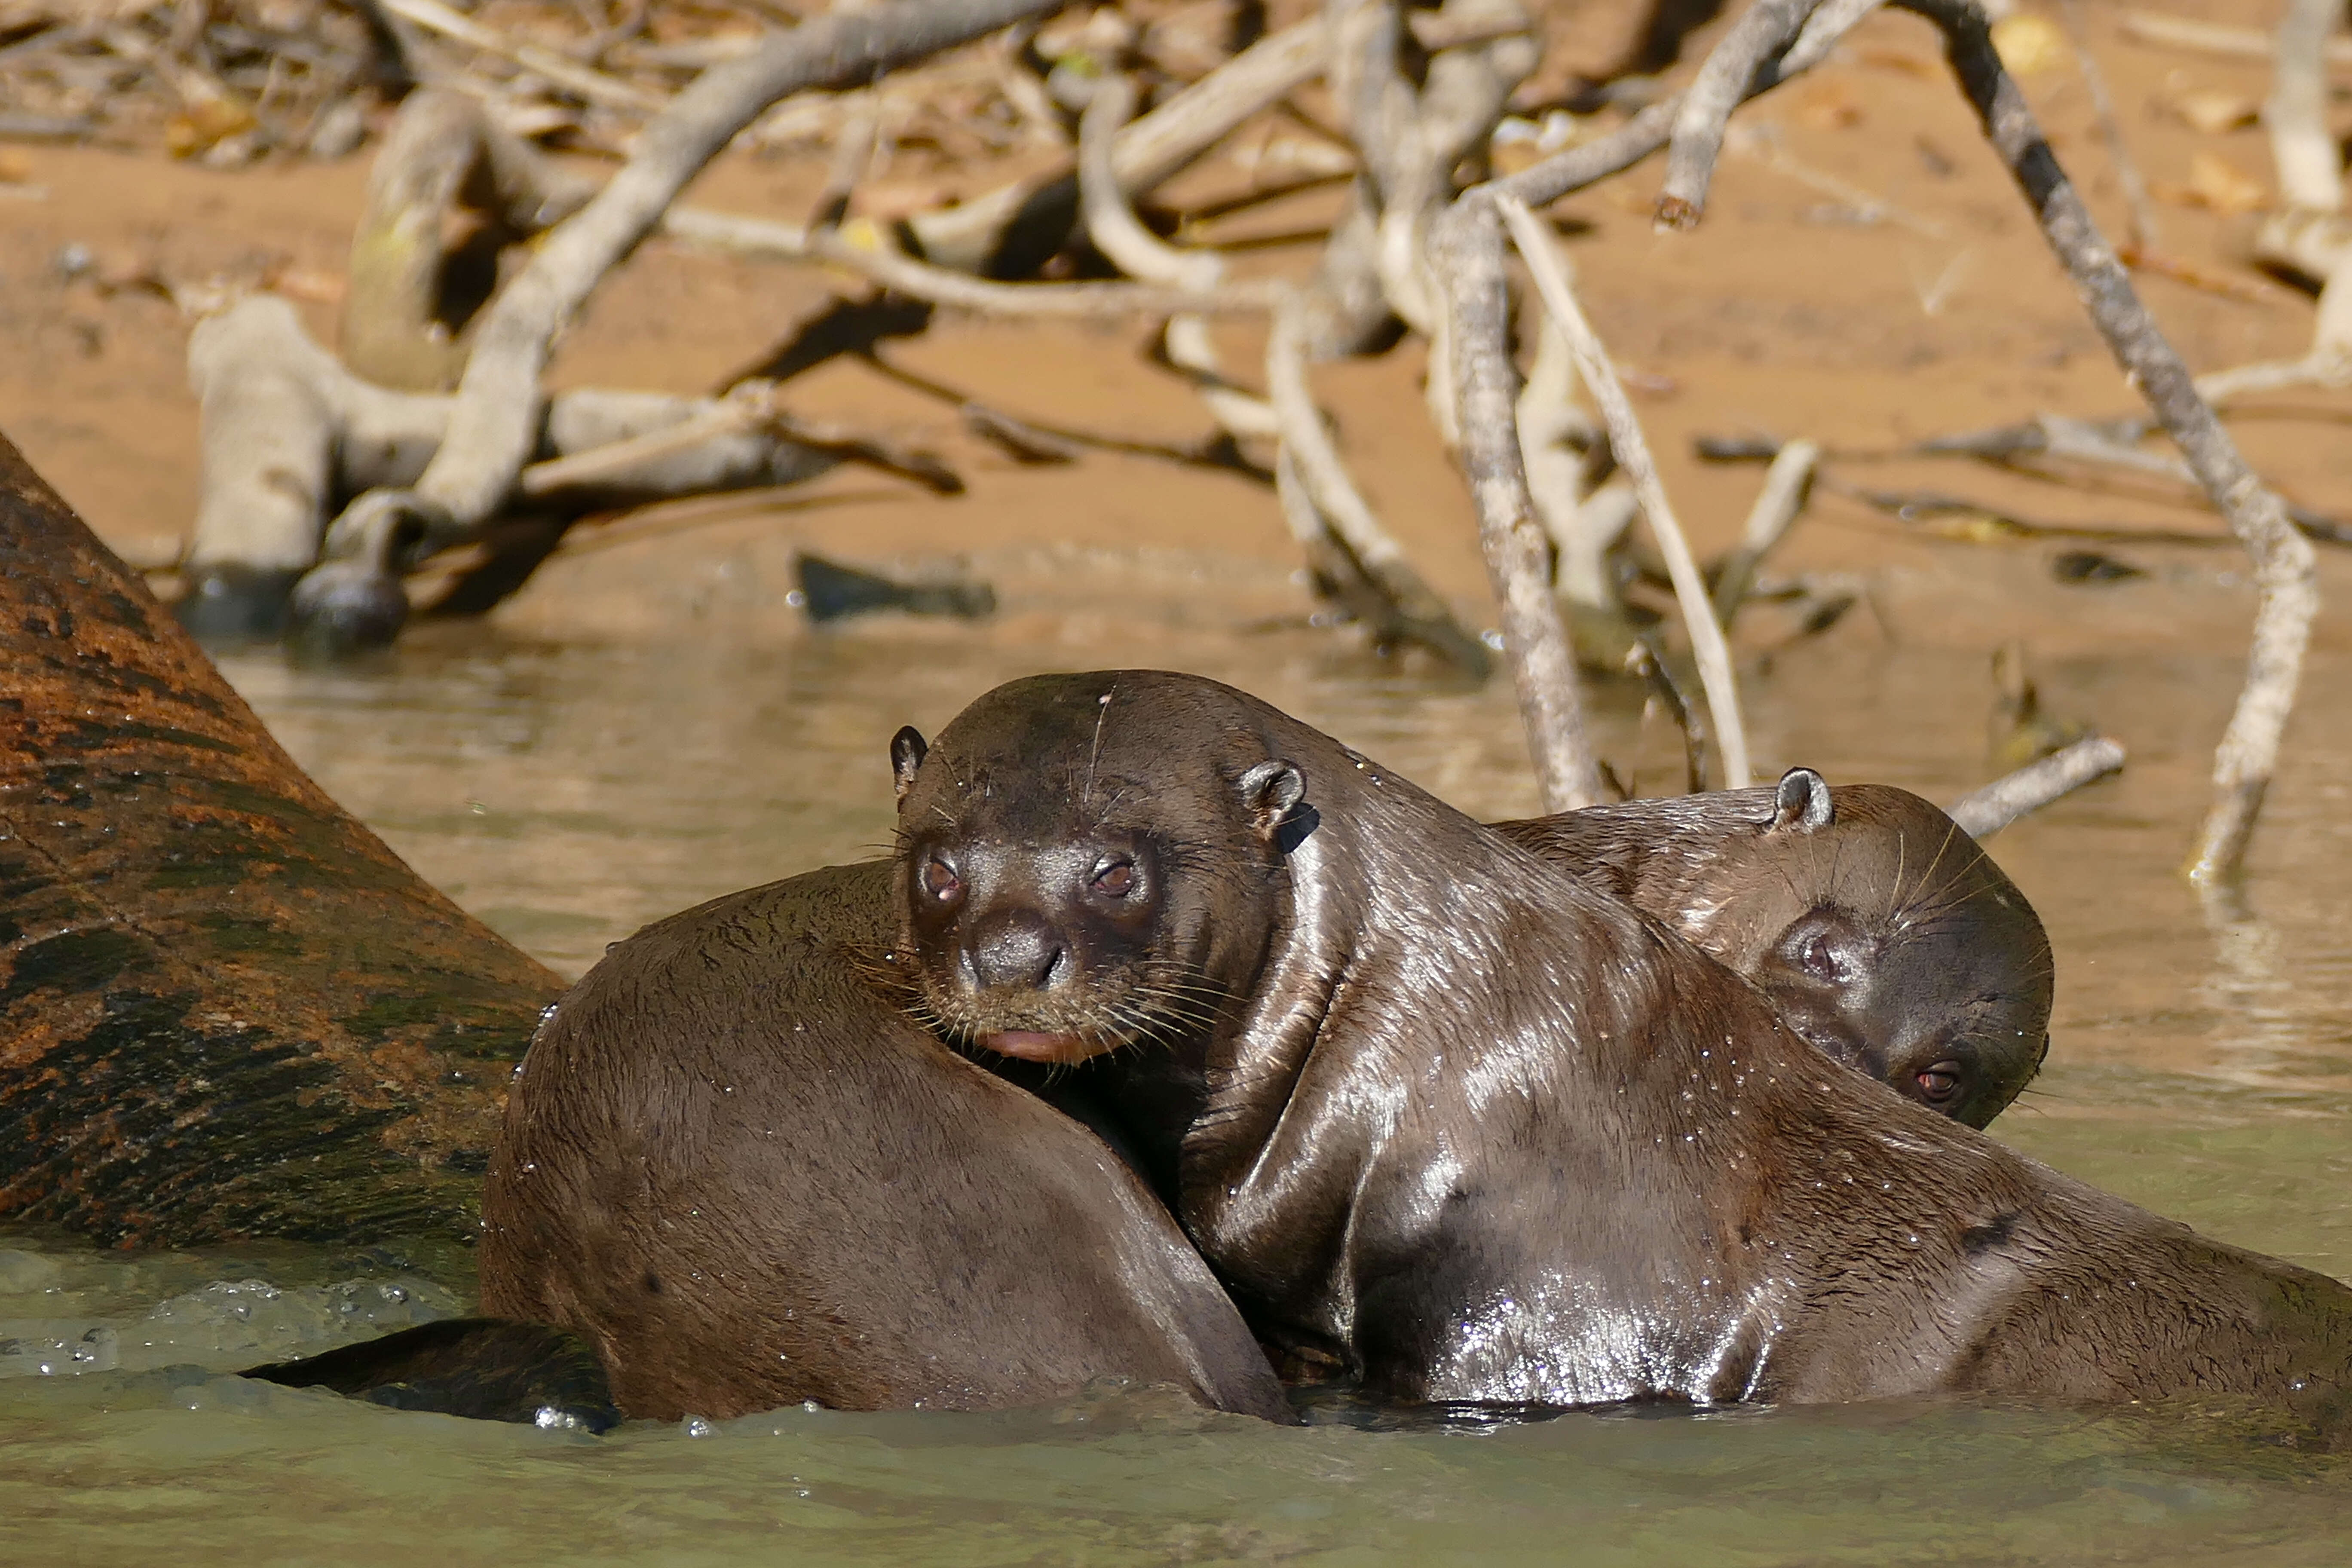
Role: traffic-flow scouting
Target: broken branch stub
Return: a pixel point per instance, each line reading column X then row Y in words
column 500, row 396
column 1589, row 163
column 1466, row 246
column 1732, row 69
column 1539, row 248
column 2285, row 570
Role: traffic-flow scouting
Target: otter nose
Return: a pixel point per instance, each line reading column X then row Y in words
column 1017, row 948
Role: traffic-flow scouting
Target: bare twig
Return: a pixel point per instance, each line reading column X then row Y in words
column 1648, row 660
column 1761, row 34
column 2283, row 567
column 1420, row 615
column 1763, row 143
column 2310, row 168
column 594, row 87
column 894, row 269
column 499, row 395
column 1589, row 163
column 1115, row 230
column 1467, row 251
column 648, row 463
column 1539, row 248
column 2216, row 37
column 853, row 154
column 2111, row 132
column 1009, row 230
column 1185, row 344
column 1785, row 483
column 1985, row 812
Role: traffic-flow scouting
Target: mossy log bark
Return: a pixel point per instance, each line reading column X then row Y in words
column 226, row 1009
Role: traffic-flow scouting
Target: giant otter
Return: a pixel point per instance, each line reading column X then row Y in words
column 741, row 1175
column 1475, row 1129
column 1879, row 928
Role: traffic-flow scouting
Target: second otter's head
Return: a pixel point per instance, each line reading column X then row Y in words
column 1887, row 937
column 1091, row 861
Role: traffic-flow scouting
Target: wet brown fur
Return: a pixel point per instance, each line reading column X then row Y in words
column 1477, row 1129
column 737, row 1169
column 1935, row 959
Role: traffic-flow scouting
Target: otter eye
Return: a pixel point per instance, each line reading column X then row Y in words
column 939, row 879
column 1938, row 1083
column 1817, row 960
column 1115, row 878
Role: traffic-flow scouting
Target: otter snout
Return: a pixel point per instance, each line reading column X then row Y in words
column 1017, row 950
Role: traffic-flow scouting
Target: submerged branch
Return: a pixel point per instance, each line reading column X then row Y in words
column 1985, row 812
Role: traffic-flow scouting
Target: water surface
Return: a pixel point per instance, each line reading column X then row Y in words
column 569, row 791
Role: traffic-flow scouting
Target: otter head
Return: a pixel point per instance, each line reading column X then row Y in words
column 1087, row 862
column 1894, row 945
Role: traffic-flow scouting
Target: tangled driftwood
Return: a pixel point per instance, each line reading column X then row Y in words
column 1420, row 89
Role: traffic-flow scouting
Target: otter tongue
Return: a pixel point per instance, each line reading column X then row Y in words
column 1032, row 1046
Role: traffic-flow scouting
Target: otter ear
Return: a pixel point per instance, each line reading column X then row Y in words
column 1801, row 804
column 1270, row 791
column 907, row 751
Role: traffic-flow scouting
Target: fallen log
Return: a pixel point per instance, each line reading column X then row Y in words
column 226, row 1008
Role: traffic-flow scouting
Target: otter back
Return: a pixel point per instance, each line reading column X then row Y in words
column 736, row 1169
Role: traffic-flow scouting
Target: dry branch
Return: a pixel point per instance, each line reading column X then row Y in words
column 2283, row 567
column 500, row 396
column 443, row 152
column 1350, row 557
column 2111, row 132
column 2216, row 37
column 594, row 87
column 1416, row 615
column 287, row 431
column 1409, row 142
column 1586, row 164
column 1985, row 812
column 1744, row 57
column 1184, row 344
column 1465, row 246
column 1009, row 230
column 1778, row 504
column 1539, row 248
column 1115, row 230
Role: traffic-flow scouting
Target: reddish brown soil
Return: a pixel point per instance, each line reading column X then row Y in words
column 1771, row 316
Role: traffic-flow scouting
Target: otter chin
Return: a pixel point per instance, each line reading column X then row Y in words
column 1036, row 1045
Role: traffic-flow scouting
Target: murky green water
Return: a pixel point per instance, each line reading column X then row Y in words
column 2202, row 1065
